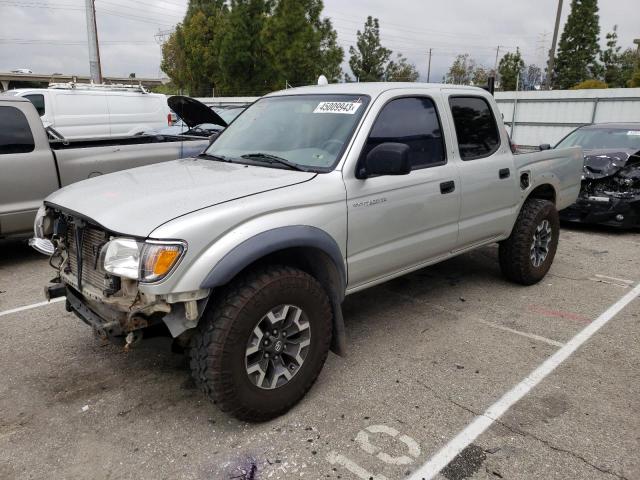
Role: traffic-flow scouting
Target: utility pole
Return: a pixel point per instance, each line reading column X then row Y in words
column 495, row 67
column 552, row 51
column 92, row 36
column 429, row 67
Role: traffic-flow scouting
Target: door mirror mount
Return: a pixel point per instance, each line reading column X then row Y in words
column 388, row 158
column 545, row 146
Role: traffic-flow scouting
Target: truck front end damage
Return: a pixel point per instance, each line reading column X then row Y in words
column 102, row 275
column 610, row 192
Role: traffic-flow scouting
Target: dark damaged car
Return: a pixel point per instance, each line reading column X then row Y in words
column 610, row 192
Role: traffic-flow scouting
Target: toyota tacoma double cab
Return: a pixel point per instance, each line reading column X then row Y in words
column 245, row 253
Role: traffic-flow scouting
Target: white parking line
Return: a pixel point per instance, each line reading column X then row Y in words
column 532, row 336
column 481, row 423
column 629, row 282
column 29, row 307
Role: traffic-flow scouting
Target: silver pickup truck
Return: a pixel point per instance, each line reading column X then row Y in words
column 245, row 253
column 32, row 166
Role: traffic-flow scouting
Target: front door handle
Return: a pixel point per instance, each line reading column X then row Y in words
column 447, row 187
column 504, row 173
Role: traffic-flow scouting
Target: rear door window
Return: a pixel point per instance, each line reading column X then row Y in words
column 38, row 102
column 476, row 127
column 413, row 121
column 15, row 133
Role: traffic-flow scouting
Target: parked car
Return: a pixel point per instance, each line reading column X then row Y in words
column 89, row 111
column 610, row 192
column 32, row 166
column 246, row 252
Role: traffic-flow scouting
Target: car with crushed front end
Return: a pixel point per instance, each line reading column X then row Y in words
column 245, row 253
column 610, row 192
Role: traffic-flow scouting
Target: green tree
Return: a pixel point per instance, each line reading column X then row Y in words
column 480, row 76
column 243, row 63
column 510, row 68
column 611, row 59
column 190, row 55
column 461, row 70
column 589, row 84
column 628, row 61
column 578, row 48
column 368, row 60
column 300, row 45
column 400, row 70
column 174, row 60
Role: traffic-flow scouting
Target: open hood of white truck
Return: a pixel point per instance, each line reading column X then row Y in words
column 135, row 202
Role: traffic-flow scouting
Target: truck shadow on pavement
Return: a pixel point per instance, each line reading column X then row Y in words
column 13, row 252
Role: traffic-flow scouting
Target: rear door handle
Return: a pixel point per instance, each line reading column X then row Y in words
column 504, row 173
column 447, row 187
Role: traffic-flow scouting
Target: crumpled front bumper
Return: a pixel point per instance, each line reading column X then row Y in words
column 106, row 321
column 617, row 212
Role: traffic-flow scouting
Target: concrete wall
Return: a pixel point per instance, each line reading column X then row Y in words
column 547, row 116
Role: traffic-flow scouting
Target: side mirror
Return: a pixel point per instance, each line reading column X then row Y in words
column 386, row 159
column 545, row 146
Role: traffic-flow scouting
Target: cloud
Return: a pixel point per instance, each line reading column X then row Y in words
column 50, row 35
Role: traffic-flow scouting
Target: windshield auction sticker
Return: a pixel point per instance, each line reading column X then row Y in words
column 348, row 108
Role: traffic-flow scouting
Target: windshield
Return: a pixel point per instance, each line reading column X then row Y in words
column 603, row 138
column 228, row 114
column 307, row 130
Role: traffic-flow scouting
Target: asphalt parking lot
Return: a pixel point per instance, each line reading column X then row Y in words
column 428, row 353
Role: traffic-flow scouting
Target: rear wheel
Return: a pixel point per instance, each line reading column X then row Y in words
column 526, row 256
column 259, row 351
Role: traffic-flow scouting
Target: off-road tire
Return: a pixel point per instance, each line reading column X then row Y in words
column 217, row 350
column 515, row 251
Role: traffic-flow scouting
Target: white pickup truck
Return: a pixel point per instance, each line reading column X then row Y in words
column 32, row 166
column 245, row 253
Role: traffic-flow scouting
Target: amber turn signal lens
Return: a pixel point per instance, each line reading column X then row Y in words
column 164, row 261
column 158, row 259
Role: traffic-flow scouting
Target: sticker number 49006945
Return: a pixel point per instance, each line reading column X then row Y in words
column 338, row 107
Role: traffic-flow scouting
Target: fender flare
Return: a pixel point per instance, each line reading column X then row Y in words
column 272, row 241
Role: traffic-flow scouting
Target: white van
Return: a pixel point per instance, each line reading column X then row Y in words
column 89, row 111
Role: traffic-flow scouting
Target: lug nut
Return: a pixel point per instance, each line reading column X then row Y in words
column 275, row 332
column 266, row 342
column 266, row 355
column 284, row 333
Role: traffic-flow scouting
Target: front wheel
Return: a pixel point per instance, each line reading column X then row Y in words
column 259, row 351
column 526, row 256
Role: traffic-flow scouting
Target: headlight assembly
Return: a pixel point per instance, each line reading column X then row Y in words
column 148, row 261
column 122, row 257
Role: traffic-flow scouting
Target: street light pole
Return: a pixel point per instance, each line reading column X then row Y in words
column 552, row 51
column 429, row 67
column 92, row 36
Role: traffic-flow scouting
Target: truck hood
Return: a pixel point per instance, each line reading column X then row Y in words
column 605, row 163
column 135, row 202
column 194, row 113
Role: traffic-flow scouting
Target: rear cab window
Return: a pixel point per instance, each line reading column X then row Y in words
column 15, row 132
column 413, row 121
column 38, row 101
column 476, row 127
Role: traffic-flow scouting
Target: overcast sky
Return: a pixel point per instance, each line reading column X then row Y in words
column 49, row 36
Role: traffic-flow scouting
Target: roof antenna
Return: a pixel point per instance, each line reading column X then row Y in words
column 322, row 80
